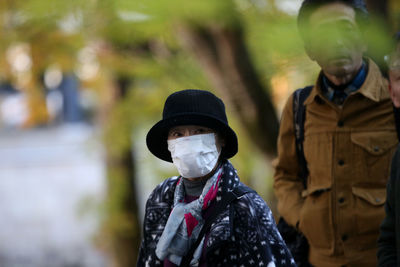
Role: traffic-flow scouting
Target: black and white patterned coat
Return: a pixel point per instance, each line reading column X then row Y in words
column 244, row 234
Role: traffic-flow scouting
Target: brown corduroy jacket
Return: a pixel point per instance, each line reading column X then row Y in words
column 348, row 151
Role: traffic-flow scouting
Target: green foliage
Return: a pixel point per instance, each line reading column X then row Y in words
column 207, row 11
column 161, row 66
column 379, row 39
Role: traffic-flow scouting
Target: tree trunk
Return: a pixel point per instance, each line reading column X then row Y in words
column 122, row 225
column 223, row 55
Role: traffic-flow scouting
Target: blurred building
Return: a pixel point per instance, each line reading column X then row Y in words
column 52, row 179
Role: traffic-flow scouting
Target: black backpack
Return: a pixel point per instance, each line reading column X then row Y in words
column 296, row 241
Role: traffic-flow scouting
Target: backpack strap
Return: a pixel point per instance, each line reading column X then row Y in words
column 241, row 190
column 230, row 196
column 296, row 241
column 299, row 116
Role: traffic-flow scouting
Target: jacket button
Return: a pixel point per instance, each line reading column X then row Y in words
column 341, row 162
column 344, row 237
column 341, row 200
column 340, row 123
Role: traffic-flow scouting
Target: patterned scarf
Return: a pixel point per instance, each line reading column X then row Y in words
column 185, row 222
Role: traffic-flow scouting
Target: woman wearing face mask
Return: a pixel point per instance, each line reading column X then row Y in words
column 238, row 227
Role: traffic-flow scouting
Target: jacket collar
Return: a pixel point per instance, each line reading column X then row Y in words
column 374, row 86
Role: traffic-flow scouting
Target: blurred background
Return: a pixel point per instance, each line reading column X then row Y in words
column 81, row 83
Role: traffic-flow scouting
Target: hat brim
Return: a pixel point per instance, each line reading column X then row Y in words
column 156, row 138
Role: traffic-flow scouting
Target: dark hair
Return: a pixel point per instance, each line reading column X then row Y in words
column 309, row 6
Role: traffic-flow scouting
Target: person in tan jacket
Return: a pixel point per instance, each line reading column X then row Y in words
column 349, row 139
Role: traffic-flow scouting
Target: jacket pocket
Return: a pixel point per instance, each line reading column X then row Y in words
column 372, row 155
column 316, row 219
column 318, row 154
column 369, row 208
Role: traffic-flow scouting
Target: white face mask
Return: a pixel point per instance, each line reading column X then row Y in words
column 194, row 156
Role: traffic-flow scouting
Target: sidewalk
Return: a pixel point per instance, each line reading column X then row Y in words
column 51, row 184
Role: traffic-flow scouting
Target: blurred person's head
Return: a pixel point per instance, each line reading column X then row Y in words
column 332, row 32
column 394, row 72
column 193, row 134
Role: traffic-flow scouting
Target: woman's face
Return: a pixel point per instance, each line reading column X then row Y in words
column 188, row 130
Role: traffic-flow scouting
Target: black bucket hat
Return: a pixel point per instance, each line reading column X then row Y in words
column 191, row 107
